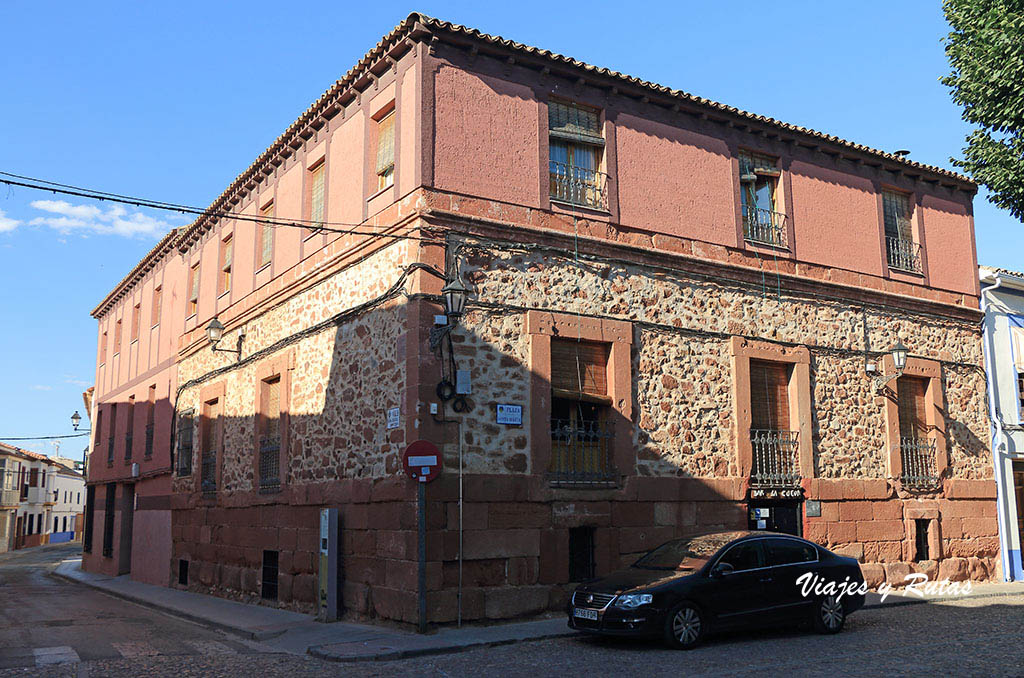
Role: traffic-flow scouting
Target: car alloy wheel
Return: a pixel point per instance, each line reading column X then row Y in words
column 685, row 627
column 831, row 615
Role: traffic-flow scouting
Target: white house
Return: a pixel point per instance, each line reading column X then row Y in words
column 69, row 500
column 1002, row 301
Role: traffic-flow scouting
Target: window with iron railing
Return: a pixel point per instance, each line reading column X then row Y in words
column 575, row 151
column 901, row 251
column 763, row 223
column 270, row 435
column 210, row 443
column 775, row 449
column 581, row 431
column 185, row 432
column 917, row 448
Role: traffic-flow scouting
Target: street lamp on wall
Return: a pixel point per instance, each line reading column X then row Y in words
column 215, row 332
column 76, row 419
column 899, row 361
column 454, row 293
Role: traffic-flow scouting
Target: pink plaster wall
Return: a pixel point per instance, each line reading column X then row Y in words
column 676, row 181
column 486, row 137
column 675, row 173
column 407, row 158
column 949, row 238
column 835, row 218
column 345, row 180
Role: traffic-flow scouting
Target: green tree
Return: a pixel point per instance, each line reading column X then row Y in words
column 986, row 53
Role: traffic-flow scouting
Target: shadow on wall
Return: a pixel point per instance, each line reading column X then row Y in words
column 528, row 530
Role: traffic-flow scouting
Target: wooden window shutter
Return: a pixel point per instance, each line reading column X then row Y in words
column 769, row 396
column 913, row 416
column 574, row 122
column 194, row 292
column 386, row 143
column 271, row 408
column 579, row 367
column 316, row 197
column 157, row 300
column 1017, row 346
column 210, row 423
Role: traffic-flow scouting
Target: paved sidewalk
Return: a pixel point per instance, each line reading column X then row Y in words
column 294, row 633
column 249, row 621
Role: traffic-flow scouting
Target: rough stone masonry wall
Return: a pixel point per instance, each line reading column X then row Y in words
column 683, row 428
column 342, row 381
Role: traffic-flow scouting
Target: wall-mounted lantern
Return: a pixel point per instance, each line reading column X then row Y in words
column 215, row 332
column 455, row 294
column 899, row 361
column 76, row 419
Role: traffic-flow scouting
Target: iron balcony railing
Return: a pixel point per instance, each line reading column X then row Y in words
column 918, row 456
column 270, row 463
column 581, row 453
column 208, row 472
column 128, row 446
column 776, row 458
column 110, row 450
column 579, row 186
column 903, row 254
column 149, row 441
column 764, row 226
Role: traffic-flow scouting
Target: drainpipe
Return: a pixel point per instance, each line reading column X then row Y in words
column 998, row 435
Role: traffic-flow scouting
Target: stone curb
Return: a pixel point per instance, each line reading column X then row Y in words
column 453, row 648
column 174, row 612
column 903, row 600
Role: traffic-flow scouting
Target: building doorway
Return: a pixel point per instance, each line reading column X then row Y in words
column 124, row 554
column 785, row 516
column 1018, row 494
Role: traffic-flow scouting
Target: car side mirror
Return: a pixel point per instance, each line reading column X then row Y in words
column 721, row 569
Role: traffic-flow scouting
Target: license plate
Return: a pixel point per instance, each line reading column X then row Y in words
column 584, row 614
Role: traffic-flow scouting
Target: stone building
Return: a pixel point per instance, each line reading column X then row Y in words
column 680, row 318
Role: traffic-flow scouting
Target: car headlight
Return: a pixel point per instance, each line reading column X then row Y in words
column 630, row 601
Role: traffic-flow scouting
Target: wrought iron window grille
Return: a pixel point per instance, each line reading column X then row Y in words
column 903, row 254
column 270, row 464
column 578, row 186
column 581, row 453
column 776, row 458
column 918, row 455
column 764, row 227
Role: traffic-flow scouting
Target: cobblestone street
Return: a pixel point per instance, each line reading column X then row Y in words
column 970, row 637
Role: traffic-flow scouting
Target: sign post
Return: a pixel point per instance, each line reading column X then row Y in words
column 422, row 463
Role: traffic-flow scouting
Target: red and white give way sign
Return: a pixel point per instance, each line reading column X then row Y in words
column 422, row 461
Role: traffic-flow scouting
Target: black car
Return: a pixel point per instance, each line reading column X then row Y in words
column 688, row 587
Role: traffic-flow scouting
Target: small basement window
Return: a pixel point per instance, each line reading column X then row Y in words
column 581, row 553
column 921, row 539
column 183, row 572
column 269, row 580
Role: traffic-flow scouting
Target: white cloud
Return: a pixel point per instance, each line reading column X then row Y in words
column 85, row 219
column 68, row 379
column 41, row 387
column 7, row 224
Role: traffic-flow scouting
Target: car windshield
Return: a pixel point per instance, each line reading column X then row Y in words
column 687, row 553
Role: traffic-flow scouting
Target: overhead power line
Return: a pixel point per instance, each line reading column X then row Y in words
column 105, row 196
column 74, row 435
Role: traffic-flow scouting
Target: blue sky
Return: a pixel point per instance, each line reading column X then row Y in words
column 172, row 100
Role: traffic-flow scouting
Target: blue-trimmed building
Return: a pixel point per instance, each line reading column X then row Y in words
column 1002, row 301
